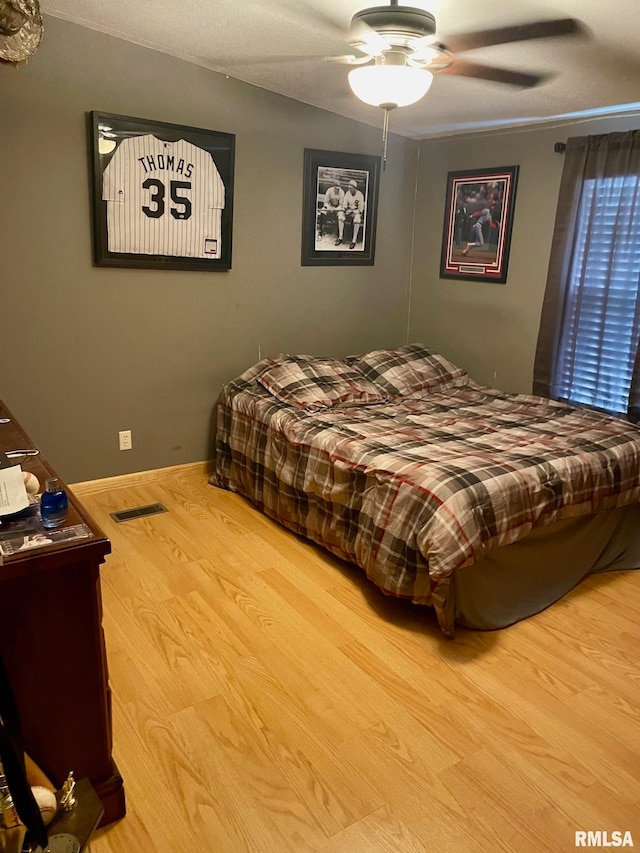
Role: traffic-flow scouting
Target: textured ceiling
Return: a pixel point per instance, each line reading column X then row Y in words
column 248, row 39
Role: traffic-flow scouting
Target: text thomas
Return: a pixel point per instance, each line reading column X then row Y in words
column 151, row 163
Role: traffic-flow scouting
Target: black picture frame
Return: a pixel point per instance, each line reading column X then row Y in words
column 206, row 247
column 321, row 228
column 478, row 222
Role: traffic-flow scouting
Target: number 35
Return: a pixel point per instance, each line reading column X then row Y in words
column 182, row 208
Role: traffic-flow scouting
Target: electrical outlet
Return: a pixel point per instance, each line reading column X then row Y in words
column 124, row 437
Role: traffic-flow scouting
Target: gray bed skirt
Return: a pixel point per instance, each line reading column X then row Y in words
column 522, row 579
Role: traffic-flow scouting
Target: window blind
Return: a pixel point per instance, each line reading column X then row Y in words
column 600, row 335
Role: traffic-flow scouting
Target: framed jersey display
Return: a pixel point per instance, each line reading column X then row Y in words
column 478, row 221
column 340, row 208
column 162, row 194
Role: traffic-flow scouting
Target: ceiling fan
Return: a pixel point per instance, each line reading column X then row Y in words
column 402, row 52
column 399, row 51
column 406, row 36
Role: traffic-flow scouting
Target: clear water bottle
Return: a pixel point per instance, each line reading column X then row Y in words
column 54, row 505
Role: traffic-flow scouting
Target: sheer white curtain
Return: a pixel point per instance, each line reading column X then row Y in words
column 589, row 339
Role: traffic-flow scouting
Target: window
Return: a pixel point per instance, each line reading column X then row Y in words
column 588, row 349
column 600, row 338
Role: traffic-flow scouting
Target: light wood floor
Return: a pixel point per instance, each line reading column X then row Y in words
column 266, row 697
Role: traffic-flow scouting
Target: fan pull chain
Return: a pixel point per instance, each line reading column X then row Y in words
column 385, row 136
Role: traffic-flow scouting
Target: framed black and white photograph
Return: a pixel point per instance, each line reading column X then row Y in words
column 340, row 208
column 162, row 194
column 478, row 222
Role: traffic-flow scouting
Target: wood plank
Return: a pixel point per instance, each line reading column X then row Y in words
column 267, row 697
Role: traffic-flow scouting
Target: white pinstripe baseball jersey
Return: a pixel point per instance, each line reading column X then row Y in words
column 163, row 198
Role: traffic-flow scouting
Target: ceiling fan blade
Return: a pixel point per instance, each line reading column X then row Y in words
column 266, row 59
column 497, row 75
column 516, row 32
column 366, row 39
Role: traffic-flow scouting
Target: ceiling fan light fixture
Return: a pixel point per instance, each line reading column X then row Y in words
column 390, row 85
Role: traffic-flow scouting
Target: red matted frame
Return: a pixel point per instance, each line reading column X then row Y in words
column 478, row 223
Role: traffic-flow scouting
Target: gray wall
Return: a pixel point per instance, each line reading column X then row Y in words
column 86, row 351
column 491, row 329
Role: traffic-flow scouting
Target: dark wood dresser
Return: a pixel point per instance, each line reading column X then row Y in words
column 52, row 643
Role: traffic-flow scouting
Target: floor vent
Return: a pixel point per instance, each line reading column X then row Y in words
column 137, row 512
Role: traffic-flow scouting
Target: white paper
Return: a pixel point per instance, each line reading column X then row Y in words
column 13, row 493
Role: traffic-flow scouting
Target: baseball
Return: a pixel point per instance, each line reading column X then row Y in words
column 46, row 801
column 31, row 483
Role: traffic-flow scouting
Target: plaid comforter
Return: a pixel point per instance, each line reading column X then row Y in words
column 416, row 489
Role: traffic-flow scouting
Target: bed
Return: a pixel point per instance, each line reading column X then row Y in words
column 484, row 505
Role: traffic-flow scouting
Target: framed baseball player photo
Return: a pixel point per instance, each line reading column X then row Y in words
column 477, row 224
column 340, row 208
column 162, row 194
